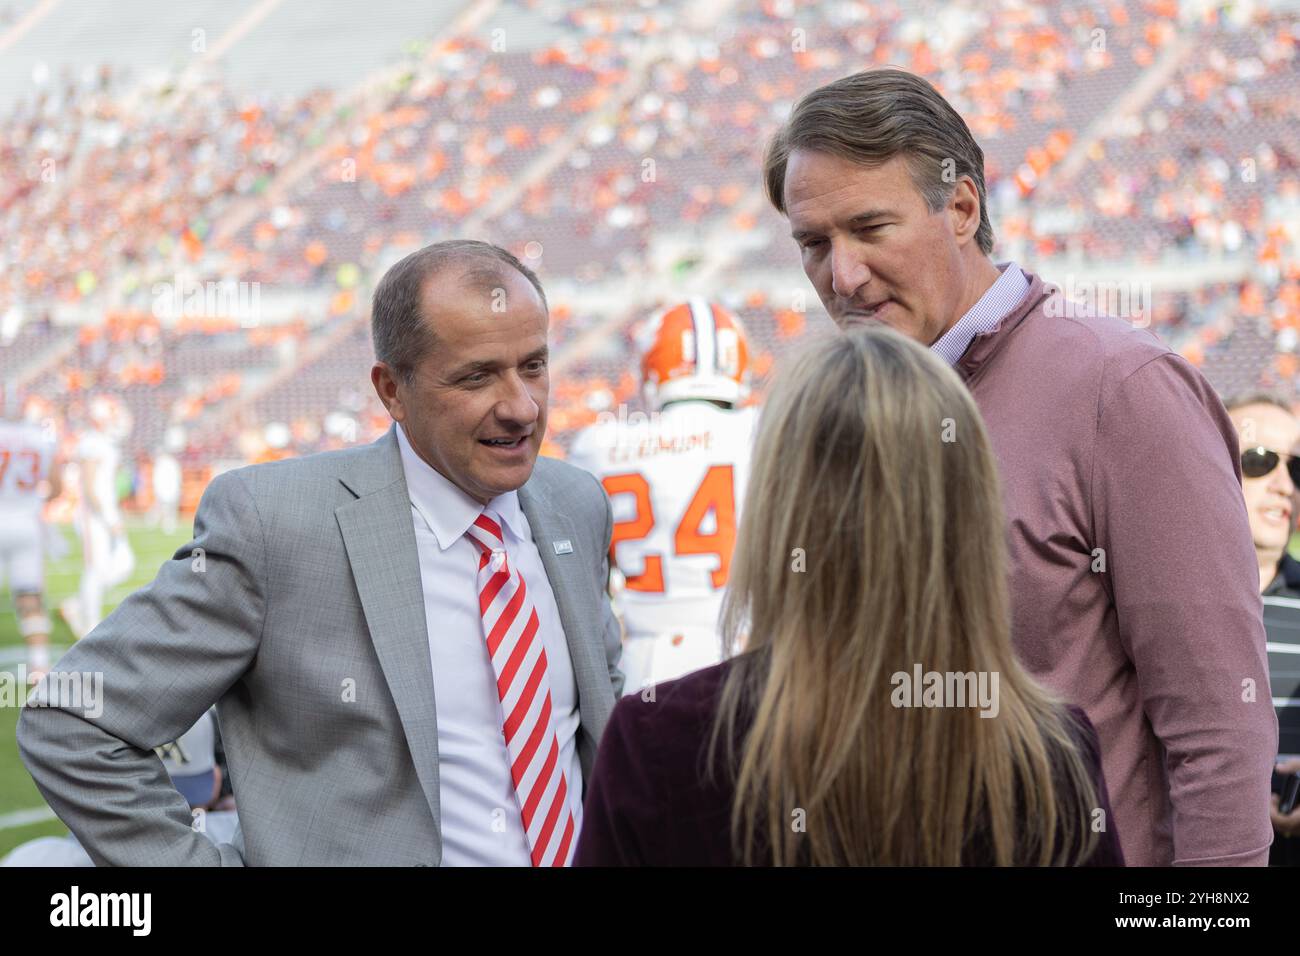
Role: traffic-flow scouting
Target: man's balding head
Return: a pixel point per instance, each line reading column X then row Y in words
column 403, row 319
column 461, row 363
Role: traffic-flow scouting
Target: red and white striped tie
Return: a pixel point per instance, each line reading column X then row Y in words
column 518, row 655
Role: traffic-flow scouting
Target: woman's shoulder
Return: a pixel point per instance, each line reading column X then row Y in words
column 671, row 726
column 652, row 799
column 680, row 703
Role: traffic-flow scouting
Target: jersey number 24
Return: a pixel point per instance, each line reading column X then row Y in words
column 716, row 493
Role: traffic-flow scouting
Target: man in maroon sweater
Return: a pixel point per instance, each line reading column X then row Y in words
column 1134, row 582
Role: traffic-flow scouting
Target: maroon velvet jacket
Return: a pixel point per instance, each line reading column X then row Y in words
column 650, row 803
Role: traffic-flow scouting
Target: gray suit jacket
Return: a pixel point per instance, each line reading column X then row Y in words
column 298, row 610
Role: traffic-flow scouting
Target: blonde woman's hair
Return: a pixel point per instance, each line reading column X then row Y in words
column 872, row 540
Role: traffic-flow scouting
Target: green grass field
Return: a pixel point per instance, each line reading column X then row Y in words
column 19, row 798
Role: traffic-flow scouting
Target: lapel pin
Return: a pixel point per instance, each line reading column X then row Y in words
column 564, row 547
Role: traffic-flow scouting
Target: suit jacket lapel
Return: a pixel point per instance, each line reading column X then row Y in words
column 380, row 540
column 581, row 621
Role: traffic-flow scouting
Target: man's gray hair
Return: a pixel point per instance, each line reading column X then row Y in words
column 401, row 332
column 870, row 118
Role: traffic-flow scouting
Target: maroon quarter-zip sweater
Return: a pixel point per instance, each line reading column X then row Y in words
column 1134, row 584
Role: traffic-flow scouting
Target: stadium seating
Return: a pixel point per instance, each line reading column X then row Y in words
column 620, row 153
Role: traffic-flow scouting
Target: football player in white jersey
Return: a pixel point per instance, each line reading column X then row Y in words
column 30, row 475
column 106, row 554
column 675, row 479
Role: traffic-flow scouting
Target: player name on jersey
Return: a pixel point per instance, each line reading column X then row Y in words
column 659, row 444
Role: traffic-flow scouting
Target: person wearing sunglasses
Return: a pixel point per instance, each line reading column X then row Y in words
column 1270, row 474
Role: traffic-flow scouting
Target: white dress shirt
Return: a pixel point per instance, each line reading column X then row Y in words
column 481, row 822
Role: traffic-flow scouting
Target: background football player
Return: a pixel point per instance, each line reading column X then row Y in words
column 107, row 559
column 29, row 476
column 675, row 479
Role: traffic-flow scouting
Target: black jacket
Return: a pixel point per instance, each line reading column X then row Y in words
column 1286, row 583
column 1285, row 850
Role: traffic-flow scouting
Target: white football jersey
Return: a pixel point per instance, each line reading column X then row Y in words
column 26, row 455
column 675, row 480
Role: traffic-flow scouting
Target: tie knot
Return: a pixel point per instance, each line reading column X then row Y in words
column 486, row 533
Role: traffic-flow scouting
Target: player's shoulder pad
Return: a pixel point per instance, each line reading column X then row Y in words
column 571, row 486
column 587, row 444
column 564, row 478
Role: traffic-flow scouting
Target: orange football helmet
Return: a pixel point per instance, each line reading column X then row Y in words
column 694, row 350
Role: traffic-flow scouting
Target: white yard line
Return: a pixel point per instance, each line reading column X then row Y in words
column 22, row 818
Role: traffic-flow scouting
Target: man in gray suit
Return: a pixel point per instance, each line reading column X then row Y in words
column 339, row 610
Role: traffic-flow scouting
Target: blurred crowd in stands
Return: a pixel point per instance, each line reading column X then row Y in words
column 619, row 157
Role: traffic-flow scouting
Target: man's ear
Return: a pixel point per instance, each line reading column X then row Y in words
column 964, row 210
column 384, row 378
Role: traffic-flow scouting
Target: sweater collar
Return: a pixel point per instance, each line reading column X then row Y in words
column 985, row 344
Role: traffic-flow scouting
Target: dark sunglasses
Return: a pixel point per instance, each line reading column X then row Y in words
column 1260, row 461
